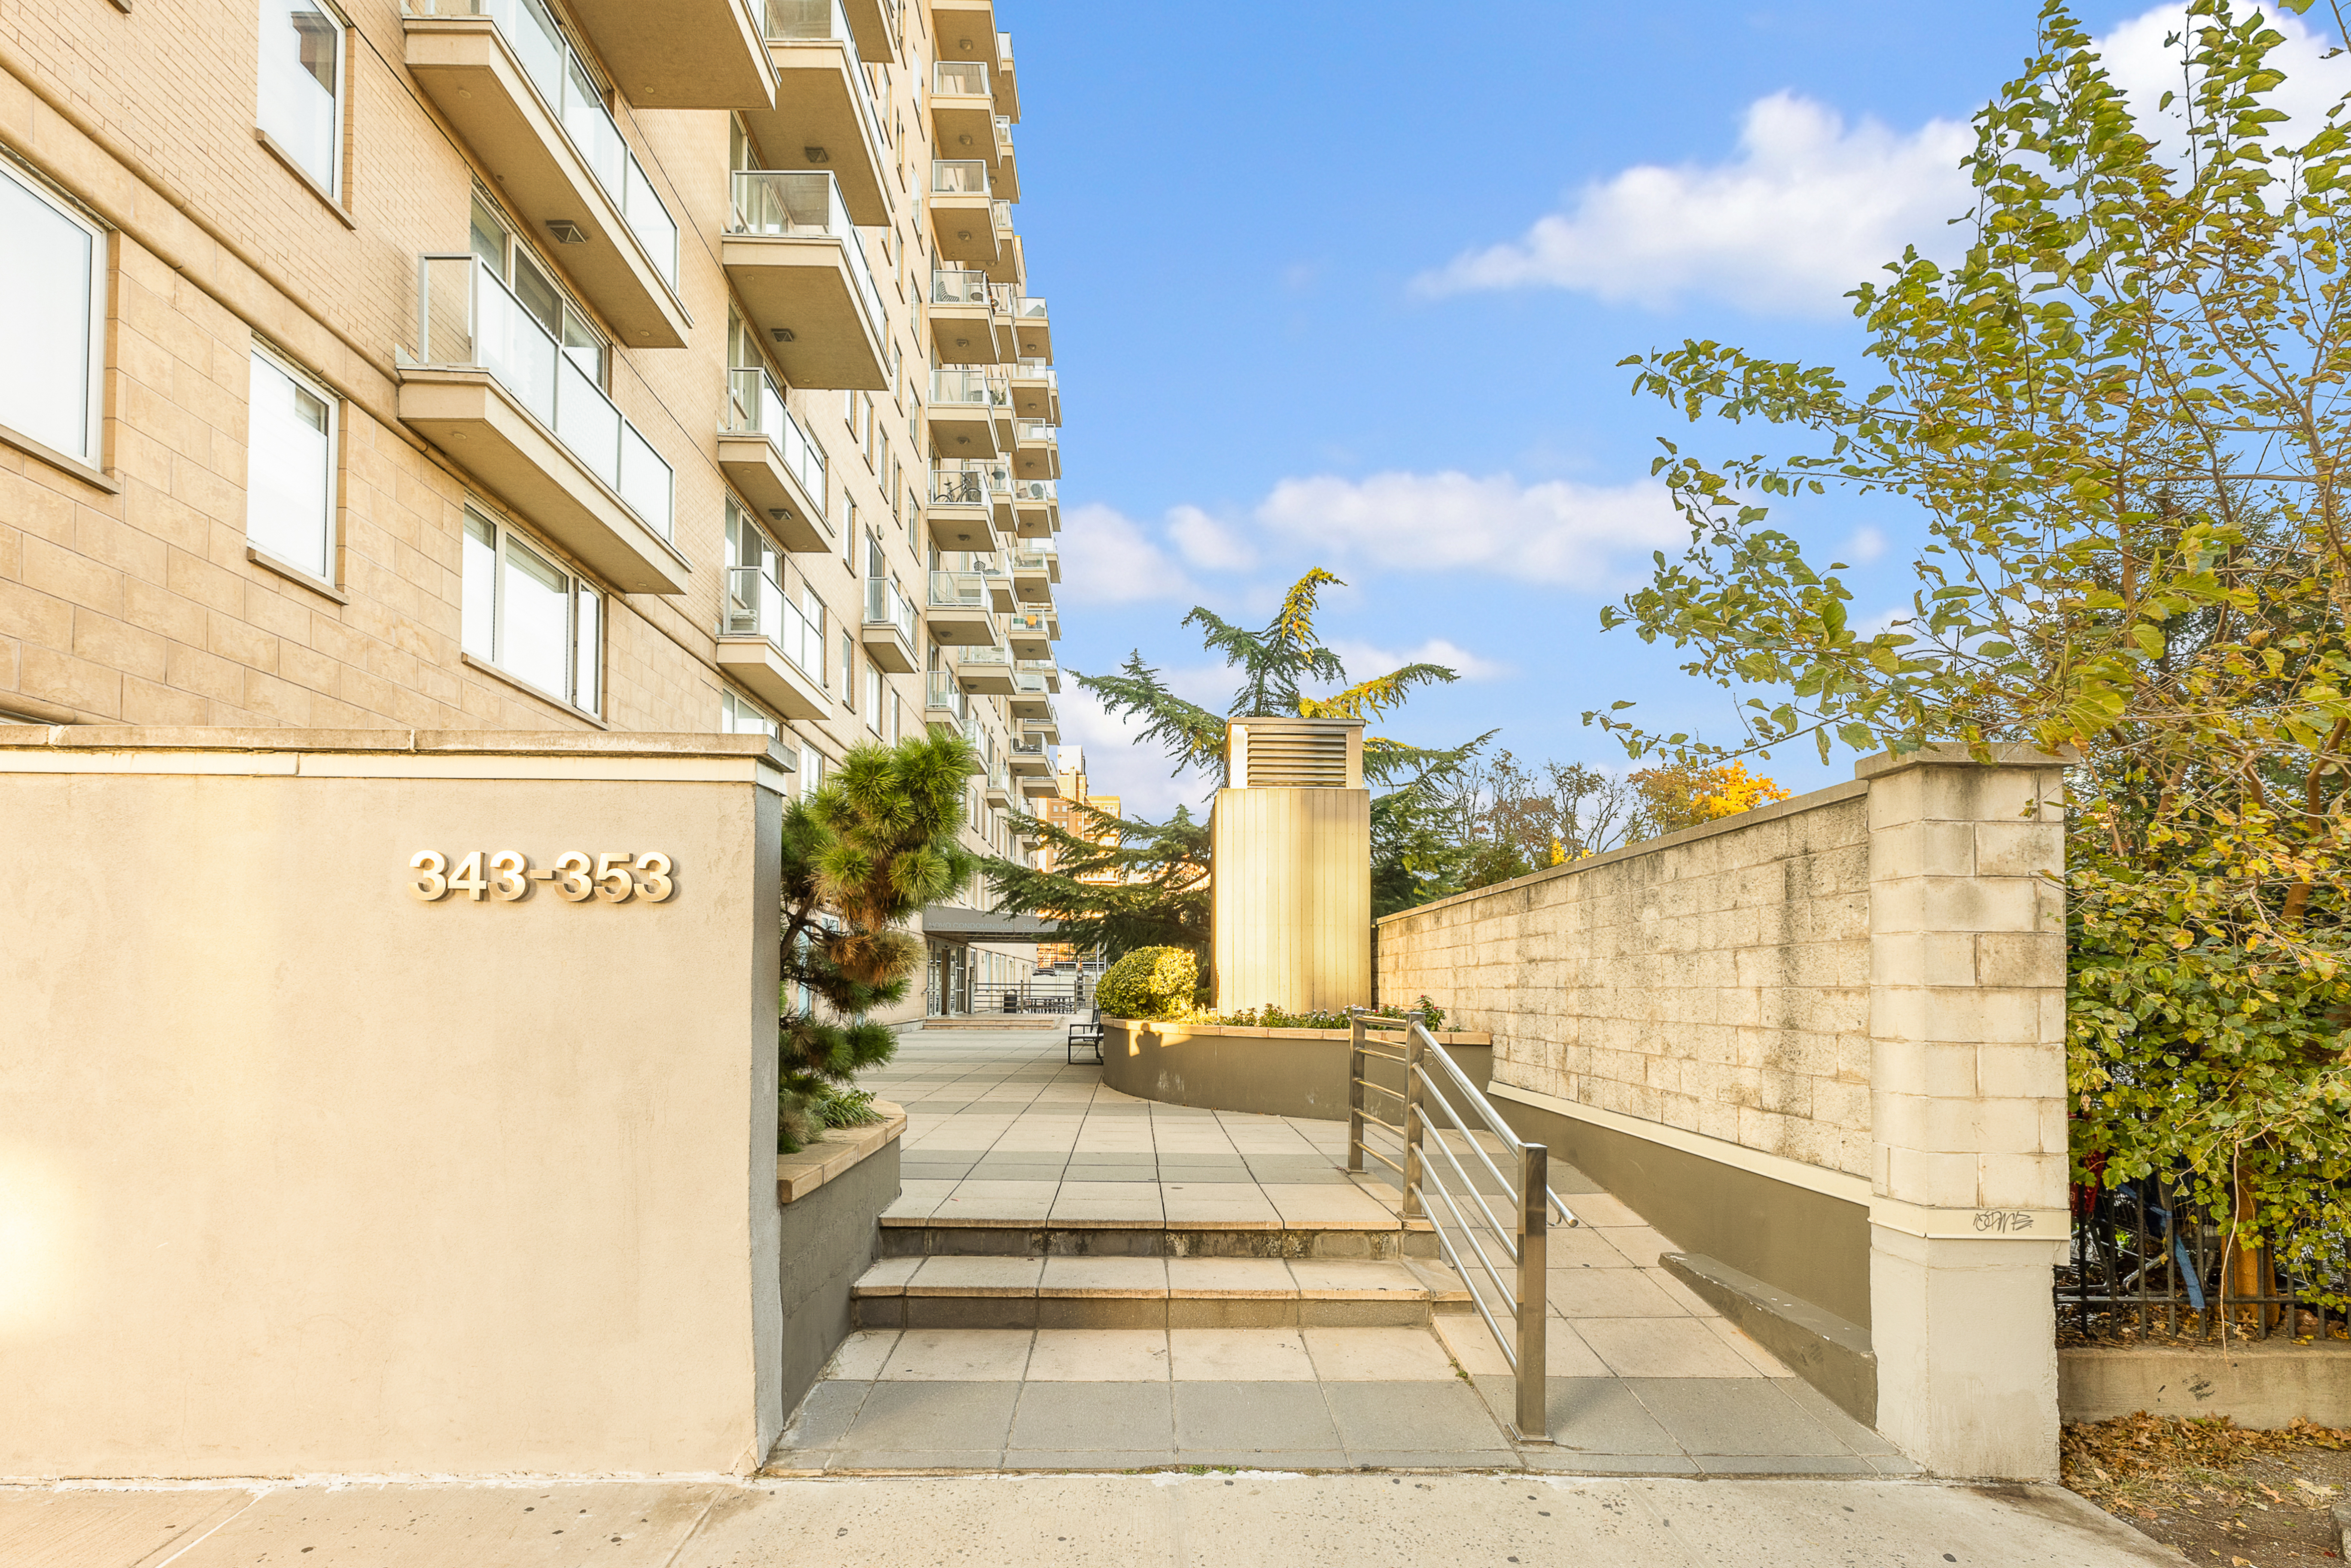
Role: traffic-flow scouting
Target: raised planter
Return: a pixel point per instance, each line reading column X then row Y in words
column 1273, row 1072
column 2255, row 1382
column 832, row 1195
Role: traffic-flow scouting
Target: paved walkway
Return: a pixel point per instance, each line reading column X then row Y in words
column 1248, row 1520
column 1646, row 1378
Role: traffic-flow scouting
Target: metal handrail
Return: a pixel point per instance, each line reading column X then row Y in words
column 1518, row 1285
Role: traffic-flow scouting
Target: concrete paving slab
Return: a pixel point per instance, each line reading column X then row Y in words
column 902, row 1416
column 1271, row 1420
column 1112, row 1419
column 1098, row 1356
column 373, row 1526
column 83, row 1528
column 1258, row 1355
column 1744, row 1416
column 1421, row 1417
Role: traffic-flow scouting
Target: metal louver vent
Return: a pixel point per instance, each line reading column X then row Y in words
column 1297, row 760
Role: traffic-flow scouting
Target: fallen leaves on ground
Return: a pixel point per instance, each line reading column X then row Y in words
column 2207, row 1485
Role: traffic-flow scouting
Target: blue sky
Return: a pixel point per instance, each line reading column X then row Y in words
column 1348, row 286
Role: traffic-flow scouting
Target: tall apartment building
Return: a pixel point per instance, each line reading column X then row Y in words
column 1060, row 810
column 652, row 365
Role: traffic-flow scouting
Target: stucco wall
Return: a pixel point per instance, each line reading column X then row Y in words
column 303, row 1174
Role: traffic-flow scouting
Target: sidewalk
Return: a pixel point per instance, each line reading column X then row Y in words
column 1249, row 1520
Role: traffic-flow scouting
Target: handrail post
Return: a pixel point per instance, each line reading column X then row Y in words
column 1534, row 1262
column 1412, row 1124
column 1354, row 1089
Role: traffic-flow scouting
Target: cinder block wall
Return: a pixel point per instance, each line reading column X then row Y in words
column 1822, row 1042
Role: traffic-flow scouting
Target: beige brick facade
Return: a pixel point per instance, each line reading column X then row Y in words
column 126, row 593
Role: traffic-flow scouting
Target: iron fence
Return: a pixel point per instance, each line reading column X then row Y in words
column 2144, row 1260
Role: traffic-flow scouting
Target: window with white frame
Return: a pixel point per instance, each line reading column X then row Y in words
column 811, row 771
column 53, row 275
column 848, row 670
column 301, row 107
column 872, row 697
column 897, row 719
column 531, row 617
column 738, row 716
column 289, row 496
column 494, row 240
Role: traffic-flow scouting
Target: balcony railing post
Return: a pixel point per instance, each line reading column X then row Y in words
column 1534, row 1282
column 1415, row 1123
column 1354, row 1089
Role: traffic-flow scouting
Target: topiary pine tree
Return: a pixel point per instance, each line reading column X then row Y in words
column 862, row 855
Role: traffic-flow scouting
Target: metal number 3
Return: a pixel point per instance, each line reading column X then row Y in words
column 573, row 884
column 430, row 883
column 655, row 869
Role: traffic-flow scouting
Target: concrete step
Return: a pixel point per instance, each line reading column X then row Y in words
column 917, row 1237
column 1148, row 1292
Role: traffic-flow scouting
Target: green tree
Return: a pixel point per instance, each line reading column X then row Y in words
column 2119, row 420
column 862, row 855
column 1123, row 884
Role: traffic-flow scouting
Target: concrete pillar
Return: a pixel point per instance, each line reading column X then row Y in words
column 1967, row 1105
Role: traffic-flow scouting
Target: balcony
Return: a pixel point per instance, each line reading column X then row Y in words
column 794, row 256
column 769, row 648
column 1031, row 633
column 1035, row 392
column 964, row 409
column 1036, row 509
column 492, row 388
column 878, row 25
column 1008, row 83
column 1007, row 266
column 999, row 587
column 824, row 112
column 1004, row 174
column 943, row 696
column 1044, row 670
column 964, row 330
column 999, row 785
column 680, row 54
column 889, row 631
column 960, row 517
column 772, row 463
column 502, row 75
column 976, row 738
column 1037, row 449
column 1043, row 729
column 963, row 110
column 986, row 670
column 1034, row 572
column 960, row 613
column 1034, row 787
column 963, row 216
column 1027, row 760
column 1032, row 693
column 1033, row 328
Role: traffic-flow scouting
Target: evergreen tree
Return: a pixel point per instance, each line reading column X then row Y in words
column 862, row 855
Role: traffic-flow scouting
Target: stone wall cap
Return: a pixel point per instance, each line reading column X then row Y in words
column 382, row 742
column 2003, row 754
column 839, row 1151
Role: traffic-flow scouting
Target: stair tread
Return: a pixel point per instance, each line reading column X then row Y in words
column 1146, row 1279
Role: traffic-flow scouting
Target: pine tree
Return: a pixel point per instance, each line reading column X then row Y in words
column 862, row 855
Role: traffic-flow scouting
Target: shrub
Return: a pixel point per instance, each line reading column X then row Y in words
column 1272, row 1016
column 1155, row 983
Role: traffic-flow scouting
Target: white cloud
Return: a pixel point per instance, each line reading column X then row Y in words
column 1556, row 532
column 1866, row 546
column 1364, row 661
column 1810, row 208
column 1207, row 543
column 1107, row 559
column 1119, row 763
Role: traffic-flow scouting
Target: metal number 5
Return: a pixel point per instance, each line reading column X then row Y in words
column 612, row 883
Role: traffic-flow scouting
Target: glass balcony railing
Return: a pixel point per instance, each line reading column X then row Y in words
column 999, row 778
column 885, row 606
column 1035, row 492
column 1035, row 370
column 1000, row 298
column 952, row 286
column 796, row 204
column 1003, row 136
column 1029, row 624
column 467, row 316
column 755, row 404
column 1035, row 560
column 757, row 607
column 941, row 695
column 1029, row 307
column 1034, row 433
column 991, row 657
column 960, row 78
column 1045, row 669
column 564, row 83
column 968, row 386
column 1031, row 684
column 822, row 22
column 1027, row 745
column 958, row 177
column 1003, row 217
column 967, row 488
column 959, row 591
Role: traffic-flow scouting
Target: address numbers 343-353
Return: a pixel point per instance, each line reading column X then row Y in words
column 505, row 875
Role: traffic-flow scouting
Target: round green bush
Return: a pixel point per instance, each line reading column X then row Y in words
column 1149, row 983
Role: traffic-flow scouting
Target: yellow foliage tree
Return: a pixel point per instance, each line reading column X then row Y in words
column 1681, row 795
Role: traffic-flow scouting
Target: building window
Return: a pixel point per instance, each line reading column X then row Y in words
column 848, row 671
column 531, row 617
column 302, row 86
column 897, row 719
column 290, row 497
column 811, row 771
column 737, row 715
column 53, row 275
column 872, row 697
column 505, row 254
